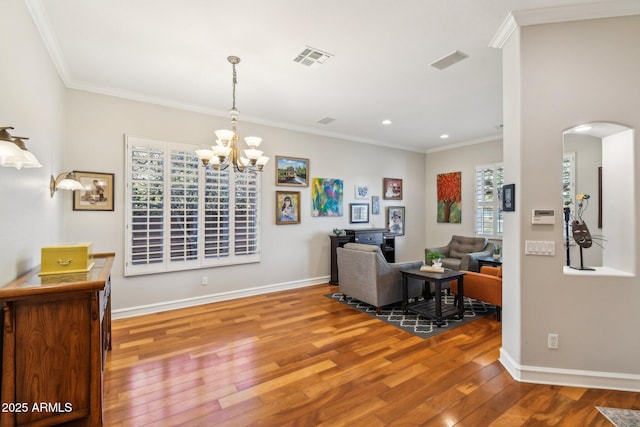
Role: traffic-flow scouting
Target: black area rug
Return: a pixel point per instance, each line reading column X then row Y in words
column 416, row 324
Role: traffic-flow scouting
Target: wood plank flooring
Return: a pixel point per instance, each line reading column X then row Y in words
column 297, row 358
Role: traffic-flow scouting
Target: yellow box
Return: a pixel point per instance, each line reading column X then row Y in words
column 66, row 258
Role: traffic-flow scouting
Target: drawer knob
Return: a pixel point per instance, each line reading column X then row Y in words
column 64, row 263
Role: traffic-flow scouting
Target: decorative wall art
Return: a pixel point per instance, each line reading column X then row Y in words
column 287, row 207
column 362, row 191
column 375, row 205
column 395, row 220
column 327, row 197
column 392, row 188
column 449, row 189
column 358, row 212
column 97, row 194
column 292, row 171
column 509, row 197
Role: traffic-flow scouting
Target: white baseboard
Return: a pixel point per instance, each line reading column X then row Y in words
column 207, row 299
column 569, row 377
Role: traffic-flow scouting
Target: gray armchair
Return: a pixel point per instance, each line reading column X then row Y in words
column 462, row 252
column 366, row 275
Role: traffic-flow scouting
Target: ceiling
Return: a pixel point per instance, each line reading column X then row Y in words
column 174, row 53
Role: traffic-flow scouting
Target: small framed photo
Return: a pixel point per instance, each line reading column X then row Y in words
column 287, row 207
column 359, row 212
column 375, row 205
column 509, row 198
column 395, row 220
column 392, row 188
column 362, row 191
column 292, row 171
column 97, row 194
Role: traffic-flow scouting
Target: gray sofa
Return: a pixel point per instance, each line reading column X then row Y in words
column 462, row 252
column 366, row 275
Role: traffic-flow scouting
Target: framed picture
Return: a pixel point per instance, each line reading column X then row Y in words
column 287, row 207
column 449, row 196
column 359, row 212
column 509, row 198
column 392, row 188
column 327, row 197
column 97, row 194
column 362, row 191
column 292, row 171
column 395, row 220
column 375, row 205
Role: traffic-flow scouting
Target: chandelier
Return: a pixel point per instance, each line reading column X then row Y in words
column 226, row 152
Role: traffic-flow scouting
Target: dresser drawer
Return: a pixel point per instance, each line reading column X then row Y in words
column 368, row 238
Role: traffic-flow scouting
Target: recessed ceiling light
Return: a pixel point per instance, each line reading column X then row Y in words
column 386, row 122
column 444, row 136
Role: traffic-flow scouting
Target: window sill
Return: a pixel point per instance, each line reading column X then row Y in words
column 599, row 271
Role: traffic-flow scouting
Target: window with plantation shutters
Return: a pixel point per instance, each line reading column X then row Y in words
column 488, row 202
column 182, row 216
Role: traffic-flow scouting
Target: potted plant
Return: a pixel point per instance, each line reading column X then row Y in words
column 497, row 252
column 435, row 257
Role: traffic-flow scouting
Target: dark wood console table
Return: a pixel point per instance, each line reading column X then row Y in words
column 368, row 236
column 56, row 334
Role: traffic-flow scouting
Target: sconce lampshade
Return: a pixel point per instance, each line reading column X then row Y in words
column 64, row 181
column 13, row 152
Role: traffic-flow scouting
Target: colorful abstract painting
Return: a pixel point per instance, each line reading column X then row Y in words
column 327, row 196
column 449, row 186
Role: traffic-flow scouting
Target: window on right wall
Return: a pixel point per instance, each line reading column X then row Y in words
column 488, row 201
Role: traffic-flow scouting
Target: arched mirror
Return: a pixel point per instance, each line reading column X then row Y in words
column 599, row 199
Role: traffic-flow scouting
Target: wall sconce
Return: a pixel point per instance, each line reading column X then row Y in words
column 64, row 181
column 13, row 152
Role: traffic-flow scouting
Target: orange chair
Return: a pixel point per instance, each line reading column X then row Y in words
column 485, row 286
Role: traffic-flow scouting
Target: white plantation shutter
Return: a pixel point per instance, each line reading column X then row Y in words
column 182, row 216
column 216, row 215
column 184, row 205
column 145, row 242
column 246, row 214
column 488, row 202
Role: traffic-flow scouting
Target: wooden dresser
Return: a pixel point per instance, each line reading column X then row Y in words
column 368, row 236
column 56, row 334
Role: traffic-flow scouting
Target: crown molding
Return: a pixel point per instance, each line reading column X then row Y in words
column 550, row 15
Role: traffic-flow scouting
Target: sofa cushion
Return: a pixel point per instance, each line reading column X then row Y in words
column 460, row 245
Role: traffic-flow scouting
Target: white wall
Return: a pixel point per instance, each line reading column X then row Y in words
column 292, row 255
column 33, row 103
column 462, row 159
column 568, row 74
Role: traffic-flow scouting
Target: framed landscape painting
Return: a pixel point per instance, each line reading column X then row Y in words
column 292, row 171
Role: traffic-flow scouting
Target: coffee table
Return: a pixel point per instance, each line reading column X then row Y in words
column 439, row 311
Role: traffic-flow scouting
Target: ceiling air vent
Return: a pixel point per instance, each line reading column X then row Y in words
column 449, row 60
column 311, row 56
column 326, row 120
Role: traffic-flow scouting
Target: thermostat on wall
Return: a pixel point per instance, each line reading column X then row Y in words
column 543, row 216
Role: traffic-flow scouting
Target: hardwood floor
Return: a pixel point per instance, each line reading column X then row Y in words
column 297, row 358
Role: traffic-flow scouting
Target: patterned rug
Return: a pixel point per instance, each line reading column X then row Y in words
column 621, row 417
column 416, row 324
